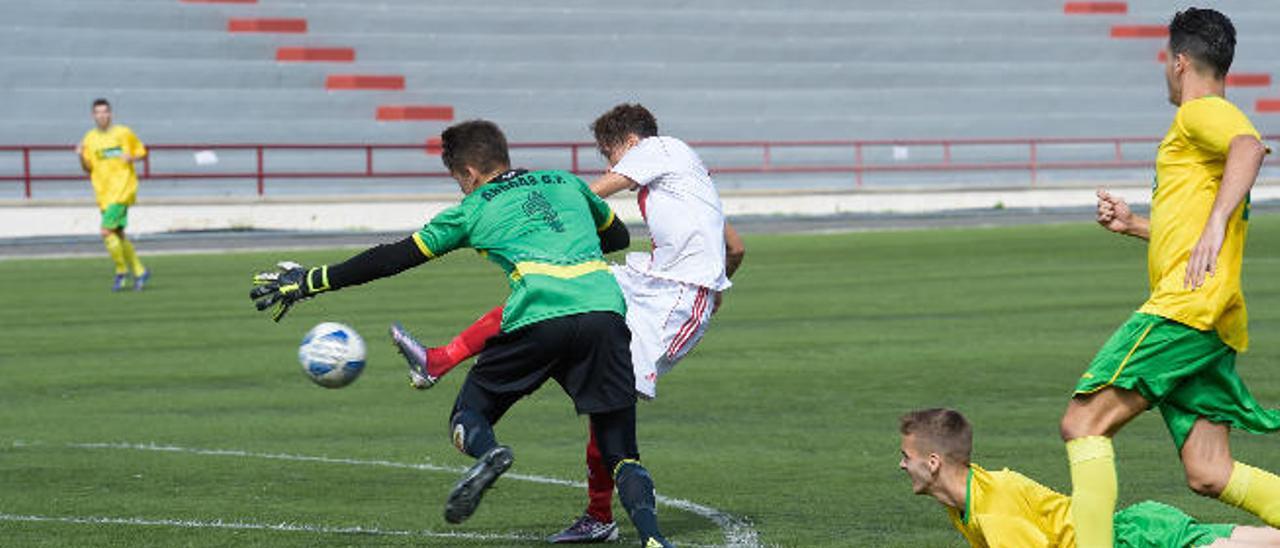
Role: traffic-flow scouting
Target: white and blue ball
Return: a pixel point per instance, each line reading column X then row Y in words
column 332, row 355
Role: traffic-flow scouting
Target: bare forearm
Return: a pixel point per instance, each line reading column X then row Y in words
column 611, row 183
column 1244, row 159
column 735, row 250
column 1139, row 227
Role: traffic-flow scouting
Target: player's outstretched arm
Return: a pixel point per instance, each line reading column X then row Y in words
column 611, row 183
column 281, row 289
column 1244, row 159
column 1114, row 215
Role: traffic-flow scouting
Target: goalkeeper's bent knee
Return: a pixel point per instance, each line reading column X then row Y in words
column 471, row 433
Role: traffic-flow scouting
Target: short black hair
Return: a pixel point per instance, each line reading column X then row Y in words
column 613, row 127
column 474, row 143
column 100, row 102
column 1206, row 36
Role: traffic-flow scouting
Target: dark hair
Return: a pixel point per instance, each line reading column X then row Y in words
column 1206, row 36
column 943, row 431
column 100, row 102
column 475, row 143
column 613, row 127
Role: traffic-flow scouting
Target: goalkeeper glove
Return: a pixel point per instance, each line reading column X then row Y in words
column 290, row 284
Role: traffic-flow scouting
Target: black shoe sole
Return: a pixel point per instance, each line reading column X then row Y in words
column 466, row 494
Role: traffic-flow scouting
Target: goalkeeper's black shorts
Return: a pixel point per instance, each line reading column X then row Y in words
column 588, row 354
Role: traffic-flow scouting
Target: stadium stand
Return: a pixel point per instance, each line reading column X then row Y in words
column 279, row 71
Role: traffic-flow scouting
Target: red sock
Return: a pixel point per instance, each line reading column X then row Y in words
column 470, row 342
column 599, row 484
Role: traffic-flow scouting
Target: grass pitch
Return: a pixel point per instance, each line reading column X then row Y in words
column 785, row 415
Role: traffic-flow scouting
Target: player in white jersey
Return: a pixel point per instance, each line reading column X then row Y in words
column 671, row 291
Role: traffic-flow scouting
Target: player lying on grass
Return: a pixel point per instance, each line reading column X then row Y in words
column 1178, row 351
column 670, row 291
column 563, row 321
column 1008, row 509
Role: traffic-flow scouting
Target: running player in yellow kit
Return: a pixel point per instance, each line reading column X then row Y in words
column 1178, row 351
column 1005, row 509
column 107, row 154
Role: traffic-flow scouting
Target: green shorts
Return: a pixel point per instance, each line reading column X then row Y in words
column 115, row 216
column 1185, row 372
column 1150, row 524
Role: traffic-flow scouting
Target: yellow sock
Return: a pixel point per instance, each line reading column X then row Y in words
column 116, row 251
column 1255, row 491
column 131, row 257
column 1093, row 490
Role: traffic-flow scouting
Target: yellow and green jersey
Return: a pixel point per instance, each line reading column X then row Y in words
column 1008, row 509
column 114, row 180
column 541, row 228
column 1189, row 169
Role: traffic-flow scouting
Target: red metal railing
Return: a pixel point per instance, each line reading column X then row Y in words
column 1030, row 151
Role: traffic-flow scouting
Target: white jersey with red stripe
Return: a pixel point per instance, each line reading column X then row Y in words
column 682, row 209
column 666, row 319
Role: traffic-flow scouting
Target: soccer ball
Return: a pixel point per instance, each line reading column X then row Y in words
column 332, row 355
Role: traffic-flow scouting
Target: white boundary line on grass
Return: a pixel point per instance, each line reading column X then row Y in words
column 738, row 532
column 241, row 525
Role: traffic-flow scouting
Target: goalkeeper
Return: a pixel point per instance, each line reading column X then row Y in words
column 563, row 319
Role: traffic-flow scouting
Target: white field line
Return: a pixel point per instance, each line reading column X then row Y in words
column 738, row 532
column 241, row 525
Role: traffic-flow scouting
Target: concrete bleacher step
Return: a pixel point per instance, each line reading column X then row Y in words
column 287, row 103
column 604, row 48
column 691, row 127
column 43, row 72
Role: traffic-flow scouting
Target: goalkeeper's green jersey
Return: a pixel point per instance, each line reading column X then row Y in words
column 541, row 228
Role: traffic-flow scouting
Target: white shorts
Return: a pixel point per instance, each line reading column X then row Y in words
column 666, row 318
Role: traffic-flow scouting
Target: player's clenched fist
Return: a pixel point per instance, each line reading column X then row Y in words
column 1113, row 213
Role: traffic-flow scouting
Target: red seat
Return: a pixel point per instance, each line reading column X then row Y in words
column 1088, row 8
column 1139, row 31
column 407, row 113
column 296, row 54
column 267, row 25
column 384, row 82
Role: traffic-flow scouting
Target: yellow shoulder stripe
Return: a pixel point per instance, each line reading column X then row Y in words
column 422, row 246
column 607, row 222
column 526, row 268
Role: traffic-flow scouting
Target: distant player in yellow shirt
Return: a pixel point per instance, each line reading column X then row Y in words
column 1178, row 351
column 107, row 154
column 1005, row 509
